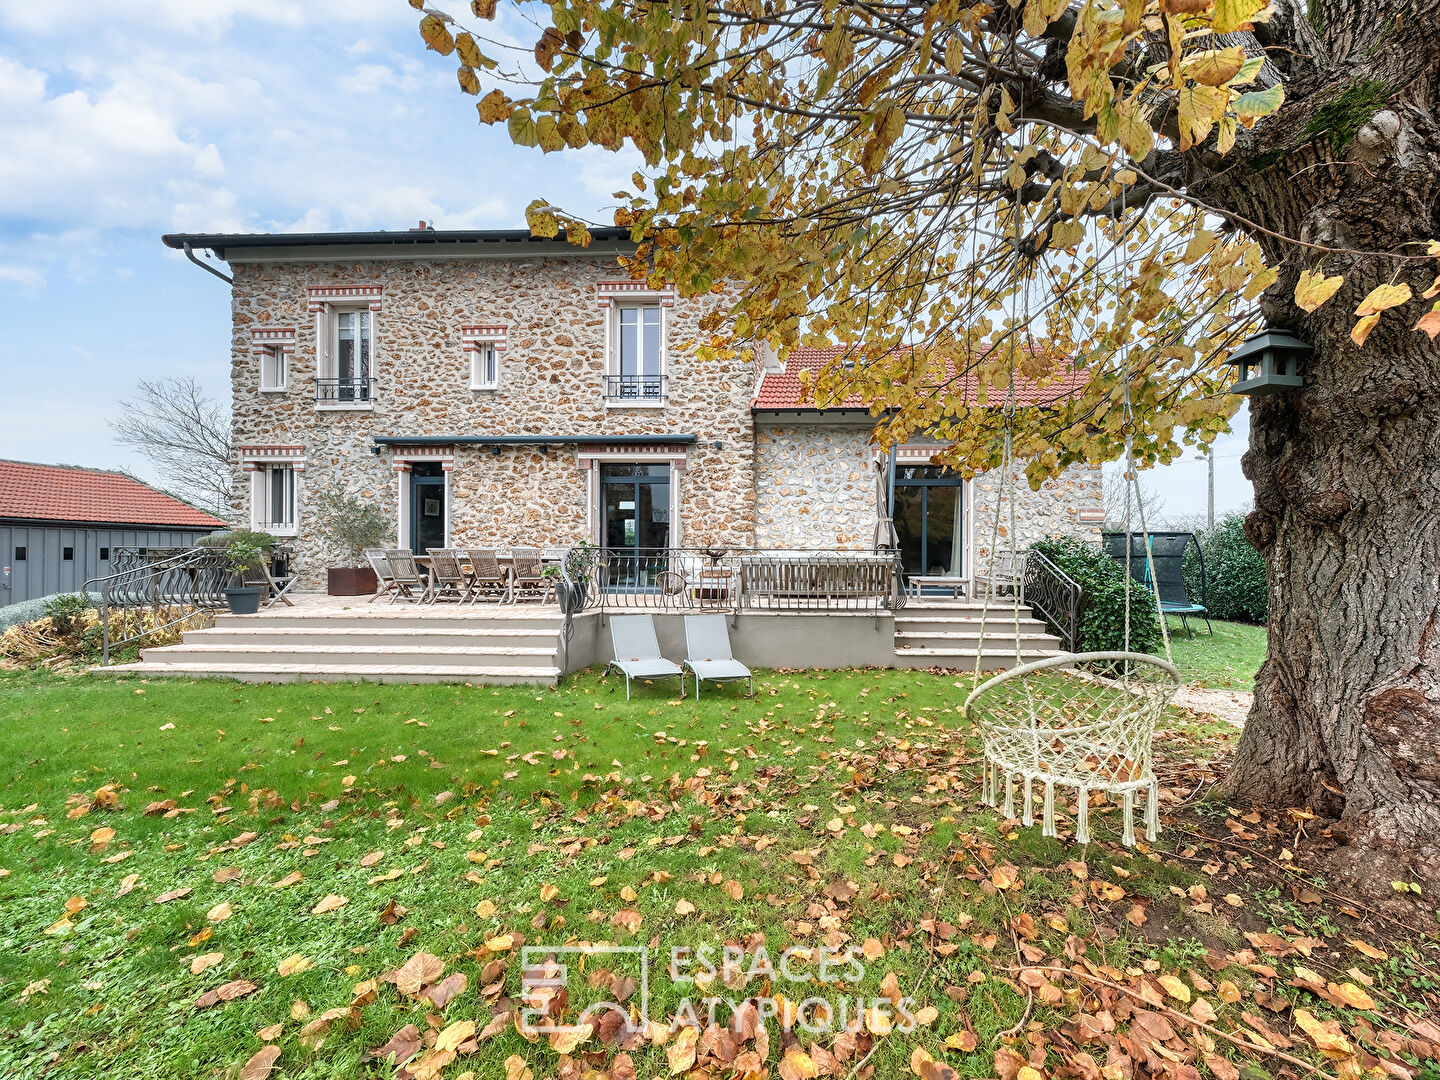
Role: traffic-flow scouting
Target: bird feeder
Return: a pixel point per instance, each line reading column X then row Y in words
column 1268, row 362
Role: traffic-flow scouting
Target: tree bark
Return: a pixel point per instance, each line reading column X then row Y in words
column 1346, row 718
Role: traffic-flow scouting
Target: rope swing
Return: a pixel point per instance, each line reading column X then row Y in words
column 1075, row 720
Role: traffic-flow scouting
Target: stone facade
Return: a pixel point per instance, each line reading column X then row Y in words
column 552, row 313
column 784, row 478
column 815, row 486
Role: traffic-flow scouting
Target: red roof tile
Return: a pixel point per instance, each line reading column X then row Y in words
column 781, row 390
column 66, row 493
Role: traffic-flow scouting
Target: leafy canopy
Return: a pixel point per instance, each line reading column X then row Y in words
column 954, row 194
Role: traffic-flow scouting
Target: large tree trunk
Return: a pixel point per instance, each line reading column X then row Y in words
column 1346, row 719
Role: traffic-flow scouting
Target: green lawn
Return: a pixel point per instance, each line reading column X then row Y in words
column 1228, row 659
column 163, row 839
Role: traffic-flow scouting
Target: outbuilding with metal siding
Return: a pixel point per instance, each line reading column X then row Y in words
column 60, row 525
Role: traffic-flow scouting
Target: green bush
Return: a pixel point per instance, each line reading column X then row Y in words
column 39, row 607
column 350, row 524
column 1234, row 572
column 1102, row 619
column 249, row 537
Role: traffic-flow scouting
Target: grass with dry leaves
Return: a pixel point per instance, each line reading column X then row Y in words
column 202, row 877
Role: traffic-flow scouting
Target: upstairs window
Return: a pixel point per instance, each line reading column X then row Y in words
column 272, row 368
column 636, row 366
column 272, row 346
column 345, row 336
column 484, row 368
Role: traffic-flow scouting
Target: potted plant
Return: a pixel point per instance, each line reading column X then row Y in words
column 244, row 554
column 350, row 525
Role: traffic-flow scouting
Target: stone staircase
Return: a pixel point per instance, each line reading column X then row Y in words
column 367, row 645
column 947, row 634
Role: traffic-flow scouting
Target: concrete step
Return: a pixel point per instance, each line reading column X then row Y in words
column 538, row 675
column 997, row 622
column 473, row 637
column 992, row 659
column 384, row 655
column 467, row 618
column 996, row 639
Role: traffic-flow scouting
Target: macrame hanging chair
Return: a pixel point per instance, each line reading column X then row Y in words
column 1074, row 720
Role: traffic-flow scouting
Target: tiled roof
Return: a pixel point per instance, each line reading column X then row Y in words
column 781, row 390
column 67, row 493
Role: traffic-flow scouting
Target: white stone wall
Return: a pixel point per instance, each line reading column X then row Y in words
column 814, row 486
column 1071, row 504
column 551, row 382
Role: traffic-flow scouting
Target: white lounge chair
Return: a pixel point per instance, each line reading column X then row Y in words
column 637, row 652
column 707, row 644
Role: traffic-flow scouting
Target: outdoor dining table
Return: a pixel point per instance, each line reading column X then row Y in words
column 547, row 558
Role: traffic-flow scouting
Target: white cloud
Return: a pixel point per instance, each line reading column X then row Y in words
column 26, row 279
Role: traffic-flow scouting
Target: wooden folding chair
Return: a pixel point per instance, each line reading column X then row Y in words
column 528, row 580
column 405, row 577
column 447, row 580
column 487, row 576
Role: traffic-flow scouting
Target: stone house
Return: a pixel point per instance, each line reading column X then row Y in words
column 491, row 388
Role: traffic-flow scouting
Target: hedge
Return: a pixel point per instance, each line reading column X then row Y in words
column 1102, row 620
column 1234, row 572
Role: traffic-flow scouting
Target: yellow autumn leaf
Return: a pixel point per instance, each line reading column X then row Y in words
column 797, row 1064
column 517, row 1069
column 500, row 943
column 330, row 903
column 1382, row 298
column 454, row 1035
column 681, row 1053
column 1230, row 15
column 469, row 52
column 1361, row 330
column 1214, row 67
column 1327, row 1036
column 1314, row 288
column 548, row 892
column 437, row 35
column 1364, row 948
column 1174, row 987
column 1351, row 995
column 1257, row 104
column 1430, row 323
column 569, row 1040
column 469, row 81
column 294, row 964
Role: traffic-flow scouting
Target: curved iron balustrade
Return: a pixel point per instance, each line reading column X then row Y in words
column 1056, row 596
column 175, row 587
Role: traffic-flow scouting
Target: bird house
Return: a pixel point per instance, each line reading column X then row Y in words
column 1268, row 362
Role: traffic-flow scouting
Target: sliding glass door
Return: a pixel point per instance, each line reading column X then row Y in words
column 930, row 521
column 635, row 522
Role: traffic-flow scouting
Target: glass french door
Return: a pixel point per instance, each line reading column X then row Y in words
column 427, row 507
column 930, row 520
column 635, row 522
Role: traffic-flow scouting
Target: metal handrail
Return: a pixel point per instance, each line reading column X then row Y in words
column 1057, row 596
column 350, row 390
column 174, row 587
column 732, row 580
column 634, row 387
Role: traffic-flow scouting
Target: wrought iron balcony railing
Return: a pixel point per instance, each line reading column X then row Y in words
column 350, row 391
column 634, row 387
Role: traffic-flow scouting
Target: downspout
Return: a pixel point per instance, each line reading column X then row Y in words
column 208, row 269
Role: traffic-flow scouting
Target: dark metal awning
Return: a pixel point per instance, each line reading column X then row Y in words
column 531, row 440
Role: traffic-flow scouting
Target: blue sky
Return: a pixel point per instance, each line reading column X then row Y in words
column 119, row 122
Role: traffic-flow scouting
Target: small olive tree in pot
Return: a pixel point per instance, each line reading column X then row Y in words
column 349, row 525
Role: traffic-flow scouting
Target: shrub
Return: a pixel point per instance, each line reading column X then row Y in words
column 226, row 537
column 67, row 611
column 350, row 524
column 1234, row 571
column 1102, row 618
column 39, row 607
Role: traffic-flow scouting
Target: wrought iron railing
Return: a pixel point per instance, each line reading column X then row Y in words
column 1056, row 597
column 732, row 580
column 155, row 589
column 634, row 387
column 351, row 391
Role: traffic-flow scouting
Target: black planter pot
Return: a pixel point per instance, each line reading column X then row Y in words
column 243, row 599
column 570, row 595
